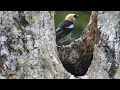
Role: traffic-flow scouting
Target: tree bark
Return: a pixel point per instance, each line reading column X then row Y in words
column 77, row 56
column 106, row 55
column 96, row 54
column 28, row 46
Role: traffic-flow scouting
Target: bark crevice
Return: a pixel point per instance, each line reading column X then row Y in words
column 27, row 46
column 77, row 56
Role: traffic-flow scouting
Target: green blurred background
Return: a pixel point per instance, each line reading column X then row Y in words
column 80, row 24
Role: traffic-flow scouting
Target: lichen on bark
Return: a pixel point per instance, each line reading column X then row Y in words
column 106, row 59
column 99, row 44
column 28, row 47
column 77, row 56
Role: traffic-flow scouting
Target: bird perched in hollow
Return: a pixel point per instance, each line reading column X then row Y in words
column 66, row 27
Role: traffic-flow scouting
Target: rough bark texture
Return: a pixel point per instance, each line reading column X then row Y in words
column 106, row 55
column 28, row 47
column 77, row 56
column 99, row 43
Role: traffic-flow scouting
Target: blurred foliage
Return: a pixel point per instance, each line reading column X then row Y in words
column 80, row 24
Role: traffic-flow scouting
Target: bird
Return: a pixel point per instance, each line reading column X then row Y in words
column 66, row 26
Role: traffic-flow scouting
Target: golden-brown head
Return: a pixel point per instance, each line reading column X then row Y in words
column 71, row 17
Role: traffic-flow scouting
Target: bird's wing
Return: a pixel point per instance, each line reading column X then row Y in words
column 59, row 32
column 70, row 27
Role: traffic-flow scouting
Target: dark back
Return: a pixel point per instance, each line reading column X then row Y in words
column 65, row 24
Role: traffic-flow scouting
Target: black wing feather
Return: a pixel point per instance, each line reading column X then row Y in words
column 62, row 31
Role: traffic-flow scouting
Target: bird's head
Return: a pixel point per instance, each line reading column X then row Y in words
column 71, row 17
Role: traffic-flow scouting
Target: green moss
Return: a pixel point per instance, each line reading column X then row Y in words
column 117, row 74
column 20, row 62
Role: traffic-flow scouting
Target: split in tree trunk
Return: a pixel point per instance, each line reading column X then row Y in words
column 77, row 56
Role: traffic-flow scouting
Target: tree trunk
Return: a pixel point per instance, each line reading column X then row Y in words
column 106, row 55
column 96, row 54
column 77, row 56
column 28, row 46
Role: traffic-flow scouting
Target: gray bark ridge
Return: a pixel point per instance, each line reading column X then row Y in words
column 28, row 47
column 77, row 56
column 98, row 47
column 106, row 57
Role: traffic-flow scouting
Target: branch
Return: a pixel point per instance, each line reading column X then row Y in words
column 77, row 56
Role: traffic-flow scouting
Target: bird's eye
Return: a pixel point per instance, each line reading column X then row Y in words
column 75, row 16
